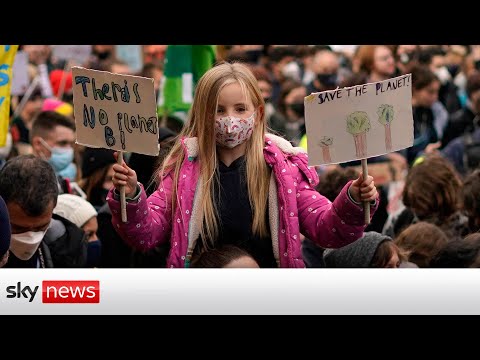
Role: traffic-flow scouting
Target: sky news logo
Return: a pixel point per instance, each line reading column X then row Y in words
column 59, row 292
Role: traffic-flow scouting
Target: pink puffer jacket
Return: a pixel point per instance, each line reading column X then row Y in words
column 294, row 207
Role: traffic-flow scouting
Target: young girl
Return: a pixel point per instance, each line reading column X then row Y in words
column 373, row 250
column 228, row 180
column 227, row 256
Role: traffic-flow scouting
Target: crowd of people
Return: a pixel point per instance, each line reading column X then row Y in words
column 231, row 186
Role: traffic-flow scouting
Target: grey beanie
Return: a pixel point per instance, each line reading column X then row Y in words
column 358, row 254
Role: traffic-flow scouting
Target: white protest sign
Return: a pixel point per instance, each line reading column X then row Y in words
column 76, row 53
column 20, row 81
column 132, row 55
column 359, row 122
column 115, row 111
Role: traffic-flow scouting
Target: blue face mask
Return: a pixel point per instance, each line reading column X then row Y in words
column 69, row 172
column 61, row 157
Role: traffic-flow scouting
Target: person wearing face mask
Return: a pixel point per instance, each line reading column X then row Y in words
column 294, row 126
column 115, row 252
column 405, row 56
column 279, row 57
column 465, row 120
column 325, row 66
column 265, row 85
column 52, row 139
column 40, row 239
column 226, row 181
column 429, row 116
column 434, row 58
column 97, row 169
column 97, row 172
column 81, row 213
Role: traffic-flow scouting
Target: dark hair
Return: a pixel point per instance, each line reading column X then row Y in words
column 422, row 240
column 304, row 50
column 422, row 76
column 432, row 189
column 148, row 70
column 425, row 56
column 34, row 96
column 462, row 253
column 384, row 253
column 278, row 53
column 107, row 64
column 354, row 80
column 30, row 182
column 260, row 73
column 332, row 182
column 471, row 196
column 286, row 88
column 473, row 83
column 47, row 121
column 94, row 182
column 218, row 258
column 317, row 48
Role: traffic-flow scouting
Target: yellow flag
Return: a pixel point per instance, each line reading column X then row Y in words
column 7, row 54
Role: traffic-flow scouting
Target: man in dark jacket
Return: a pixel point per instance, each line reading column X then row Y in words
column 117, row 254
column 465, row 120
column 29, row 187
column 464, row 152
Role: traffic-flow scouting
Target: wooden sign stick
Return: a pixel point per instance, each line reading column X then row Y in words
column 123, row 201
column 366, row 204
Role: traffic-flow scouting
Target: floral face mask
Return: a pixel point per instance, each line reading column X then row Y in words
column 231, row 131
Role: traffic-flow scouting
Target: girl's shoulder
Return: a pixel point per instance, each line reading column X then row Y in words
column 276, row 143
column 277, row 150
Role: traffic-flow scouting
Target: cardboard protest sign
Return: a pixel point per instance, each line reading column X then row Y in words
column 7, row 55
column 20, row 81
column 360, row 121
column 115, row 111
column 79, row 54
column 130, row 54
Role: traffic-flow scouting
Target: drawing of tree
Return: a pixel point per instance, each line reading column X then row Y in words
column 325, row 143
column 358, row 124
column 386, row 114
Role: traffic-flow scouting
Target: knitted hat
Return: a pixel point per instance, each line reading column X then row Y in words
column 5, row 230
column 56, row 80
column 75, row 209
column 94, row 159
column 57, row 106
column 358, row 254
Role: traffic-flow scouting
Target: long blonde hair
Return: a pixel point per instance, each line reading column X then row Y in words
column 201, row 124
